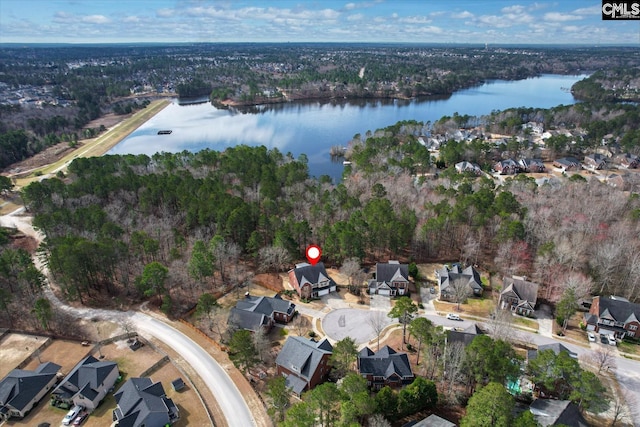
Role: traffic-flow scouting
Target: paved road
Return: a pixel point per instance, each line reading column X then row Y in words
column 227, row 395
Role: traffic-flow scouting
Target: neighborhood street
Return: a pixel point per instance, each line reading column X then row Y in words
column 227, row 395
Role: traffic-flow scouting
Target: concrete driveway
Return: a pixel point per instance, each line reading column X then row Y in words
column 380, row 302
column 349, row 322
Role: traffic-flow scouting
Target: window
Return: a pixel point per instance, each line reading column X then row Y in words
column 633, row 327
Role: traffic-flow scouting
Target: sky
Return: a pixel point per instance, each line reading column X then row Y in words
column 399, row 21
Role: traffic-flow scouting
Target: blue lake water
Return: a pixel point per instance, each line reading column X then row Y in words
column 313, row 127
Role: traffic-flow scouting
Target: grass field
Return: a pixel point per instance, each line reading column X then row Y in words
column 99, row 145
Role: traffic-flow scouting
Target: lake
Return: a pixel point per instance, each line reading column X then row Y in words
column 313, row 127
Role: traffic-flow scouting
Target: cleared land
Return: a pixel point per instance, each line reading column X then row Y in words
column 93, row 147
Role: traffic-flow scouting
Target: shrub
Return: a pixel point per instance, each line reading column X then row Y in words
column 283, row 332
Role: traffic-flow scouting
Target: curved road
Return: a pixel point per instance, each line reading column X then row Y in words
column 224, row 390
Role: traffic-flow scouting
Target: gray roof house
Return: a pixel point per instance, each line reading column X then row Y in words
column 555, row 347
column 392, row 278
column 21, row 389
column 143, row 403
column 447, row 276
column 304, row 363
column 385, row 367
column 519, row 295
column 465, row 336
column 548, row 412
column 87, row 383
column 254, row 312
column 431, row 421
column 311, row 281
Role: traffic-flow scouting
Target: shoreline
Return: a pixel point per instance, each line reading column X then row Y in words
column 93, row 147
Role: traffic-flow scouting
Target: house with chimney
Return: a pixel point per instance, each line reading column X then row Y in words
column 311, row 281
column 615, row 316
column 304, row 363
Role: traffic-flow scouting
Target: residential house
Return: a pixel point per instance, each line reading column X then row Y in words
column 87, row 383
column 567, row 164
column 549, row 412
column 448, row 276
column 311, row 281
column 392, row 278
column 252, row 312
column 21, row 389
column 468, row 167
column 304, row 363
column 519, row 295
column 385, row 367
column 595, row 161
column 555, row 347
column 614, row 316
column 531, row 165
column 627, row 160
column 507, row 167
column 432, row 421
column 142, row 403
column 464, row 336
column 619, row 181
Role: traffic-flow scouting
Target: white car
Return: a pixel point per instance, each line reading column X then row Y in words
column 612, row 340
column 453, row 316
column 73, row 412
column 591, row 336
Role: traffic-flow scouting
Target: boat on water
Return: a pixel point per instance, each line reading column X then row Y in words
column 346, row 162
column 165, row 132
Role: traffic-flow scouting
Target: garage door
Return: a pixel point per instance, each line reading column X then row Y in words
column 323, row 292
column 385, row 292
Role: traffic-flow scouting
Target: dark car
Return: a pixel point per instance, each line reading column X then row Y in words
column 604, row 339
column 80, row 419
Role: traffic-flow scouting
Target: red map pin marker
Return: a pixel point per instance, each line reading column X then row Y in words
column 313, row 254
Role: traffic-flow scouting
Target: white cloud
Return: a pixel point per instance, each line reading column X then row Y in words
column 560, row 17
column 416, row 20
column 96, row 19
column 594, row 10
column 165, row 13
column 462, row 15
column 131, row 19
column 355, row 17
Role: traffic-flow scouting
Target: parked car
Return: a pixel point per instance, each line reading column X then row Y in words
column 80, row 419
column 604, row 339
column 612, row 340
column 73, row 412
column 591, row 336
column 453, row 316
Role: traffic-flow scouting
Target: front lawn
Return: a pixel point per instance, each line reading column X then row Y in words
column 479, row 307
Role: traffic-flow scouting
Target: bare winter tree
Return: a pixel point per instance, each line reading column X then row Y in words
column 378, row 321
column 460, row 290
column 501, row 326
column 273, row 259
column 378, row 420
column 470, row 250
column 453, row 374
column 602, row 359
column 127, row 326
column 300, row 325
column 351, row 268
column 623, row 407
column 262, row 343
